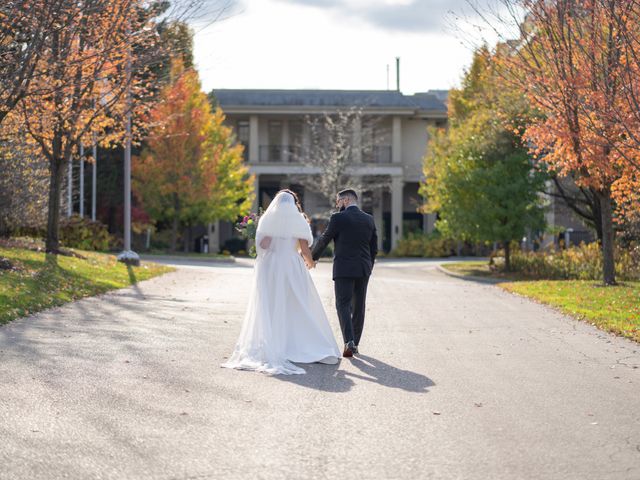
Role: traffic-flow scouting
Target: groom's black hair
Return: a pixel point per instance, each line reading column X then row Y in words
column 348, row 192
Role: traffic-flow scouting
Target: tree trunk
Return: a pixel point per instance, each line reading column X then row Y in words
column 174, row 227
column 56, row 168
column 174, row 232
column 507, row 256
column 186, row 239
column 608, row 261
column 4, row 227
column 597, row 214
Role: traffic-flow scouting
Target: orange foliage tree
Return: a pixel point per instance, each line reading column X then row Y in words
column 84, row 76
column 190, row 171
column 572, row 62
column 25, row 25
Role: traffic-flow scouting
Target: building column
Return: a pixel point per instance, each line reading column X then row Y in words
column 429, row 222
column 396, row 140
column 397, row 185
column 256, row 189
column 254, row 141
column 306, row 141
column 378, row 217
column 357, row 140
column 214, row 236
column 284, row 153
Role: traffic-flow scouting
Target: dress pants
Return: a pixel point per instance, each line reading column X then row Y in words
column 351, row 295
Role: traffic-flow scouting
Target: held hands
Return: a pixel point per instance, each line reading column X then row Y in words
column 309, row 263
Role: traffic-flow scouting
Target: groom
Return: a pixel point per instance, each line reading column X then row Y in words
column 356, row 245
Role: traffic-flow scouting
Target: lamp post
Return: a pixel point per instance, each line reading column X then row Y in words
column 70, row 188
column 81, row 185
column 94, row 178
column 128, row 256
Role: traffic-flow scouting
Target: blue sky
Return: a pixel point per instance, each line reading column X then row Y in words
column 338, row 44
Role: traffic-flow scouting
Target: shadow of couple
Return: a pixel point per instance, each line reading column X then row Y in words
column 332, row 378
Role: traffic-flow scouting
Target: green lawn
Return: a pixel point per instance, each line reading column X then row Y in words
column 615, row 309
column 39, row 281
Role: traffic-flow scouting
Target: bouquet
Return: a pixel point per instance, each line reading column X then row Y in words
column 247, row 228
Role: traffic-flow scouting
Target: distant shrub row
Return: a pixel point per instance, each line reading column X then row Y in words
column 583, row 262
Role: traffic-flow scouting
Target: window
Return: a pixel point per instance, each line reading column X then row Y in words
column 242, row 131
column 275, row 132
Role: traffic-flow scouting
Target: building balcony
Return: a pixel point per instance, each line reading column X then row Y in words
column 378, row 154
column 278, row 154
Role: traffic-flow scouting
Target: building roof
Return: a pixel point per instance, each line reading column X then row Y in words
column 332, row 98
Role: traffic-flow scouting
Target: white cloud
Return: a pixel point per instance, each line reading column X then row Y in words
column 287, row 44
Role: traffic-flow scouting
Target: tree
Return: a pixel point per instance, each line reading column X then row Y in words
column 85, row 84
column 232, row 192
column 338, row 145
column 24, row 27
column 576, row 62
column 23, row 179
column 168, row 175
column 190, row 171
column 479, row 176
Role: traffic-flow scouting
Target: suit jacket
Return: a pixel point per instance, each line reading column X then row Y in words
column 356, row 243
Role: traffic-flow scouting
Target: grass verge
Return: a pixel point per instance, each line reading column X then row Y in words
column 614, row 309
column 39, row 281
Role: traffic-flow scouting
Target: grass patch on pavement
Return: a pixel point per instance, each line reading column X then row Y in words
column 38, row 281
column 614, row 309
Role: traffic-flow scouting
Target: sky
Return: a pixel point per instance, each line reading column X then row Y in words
column 338, row 44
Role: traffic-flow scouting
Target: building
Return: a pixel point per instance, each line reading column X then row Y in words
column 270, row 123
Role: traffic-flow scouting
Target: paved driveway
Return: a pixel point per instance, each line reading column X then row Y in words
column 457, row 380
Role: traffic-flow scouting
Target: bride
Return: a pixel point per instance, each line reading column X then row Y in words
column 285, row 321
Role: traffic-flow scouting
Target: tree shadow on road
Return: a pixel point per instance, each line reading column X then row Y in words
column 331, row 378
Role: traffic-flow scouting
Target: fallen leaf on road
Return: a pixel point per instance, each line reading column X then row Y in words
column 436, row 413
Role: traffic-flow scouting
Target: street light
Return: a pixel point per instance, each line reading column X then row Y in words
column 128, row 256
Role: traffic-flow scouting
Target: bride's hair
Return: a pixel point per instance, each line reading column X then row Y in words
column 297, row 200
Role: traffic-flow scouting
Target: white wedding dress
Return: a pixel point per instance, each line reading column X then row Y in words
column 285, row 321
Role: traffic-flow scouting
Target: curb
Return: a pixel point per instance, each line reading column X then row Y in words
column 471, row 278
column 179, row 258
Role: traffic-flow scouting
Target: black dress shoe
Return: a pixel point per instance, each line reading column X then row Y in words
column 349, row 349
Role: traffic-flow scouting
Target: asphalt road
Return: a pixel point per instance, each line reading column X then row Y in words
column 457, row 380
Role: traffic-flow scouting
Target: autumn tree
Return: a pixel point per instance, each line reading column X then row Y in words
column 232, row 192
column 479, row 176
column 24, row 28
column 22, row 181
column 86, row 76
column 338, row 148
column 190, row 171
column 575, row 61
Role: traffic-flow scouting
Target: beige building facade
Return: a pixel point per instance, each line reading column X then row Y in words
column 272, row 124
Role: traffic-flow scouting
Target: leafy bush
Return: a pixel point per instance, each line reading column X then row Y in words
column 583, row 262
column 234, row 245
column 84, row 234
column 421, row 245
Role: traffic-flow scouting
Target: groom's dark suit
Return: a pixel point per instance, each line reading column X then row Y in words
column 356, row 245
